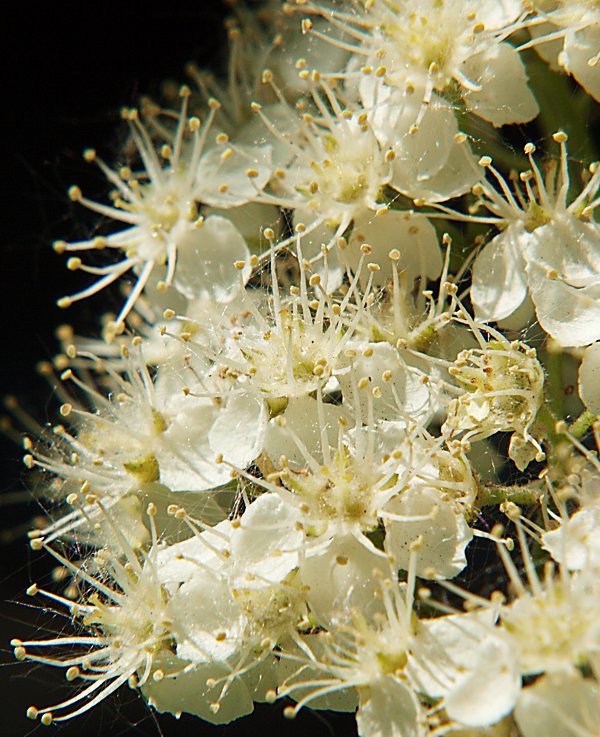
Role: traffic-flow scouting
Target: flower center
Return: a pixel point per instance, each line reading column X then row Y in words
column 339, row 493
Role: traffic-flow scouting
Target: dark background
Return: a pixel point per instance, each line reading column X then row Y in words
column 66, row 70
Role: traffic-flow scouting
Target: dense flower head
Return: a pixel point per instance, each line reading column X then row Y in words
column 339, row 444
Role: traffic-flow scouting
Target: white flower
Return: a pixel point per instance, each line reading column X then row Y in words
column 567, row 34
column 397, row 663
column 168, row 242
column 338, row 169
column 377, row 476
column 128, row 629
column 563, row 705
column 289, row 346
column 233, row 592
column 407, row 315
column 438, row 525
column 433, row 44
column 504, row 391
column 371, row 655
column 547, row 248
column 229, row 578
column 575, row 543
column 432, row 160
column 551, row 624
column 343, row 158
column 146, row 429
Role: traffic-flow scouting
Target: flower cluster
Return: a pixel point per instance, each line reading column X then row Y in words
column 345, row 325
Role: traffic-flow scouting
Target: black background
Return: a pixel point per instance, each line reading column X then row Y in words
column 66, row 70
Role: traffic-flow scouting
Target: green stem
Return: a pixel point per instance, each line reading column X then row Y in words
column 555, row 381
column 582, row 424
column 489, row 496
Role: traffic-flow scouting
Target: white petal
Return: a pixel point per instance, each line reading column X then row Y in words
column 302, row 417
column 344, row 699
column 445, row 533
column 239, row 429
column 498, row 13
column 126, row 520
column 430, row 163
column 455, row 178
column 561, row 705
column 580, row 48
column 254, row 133
column 499, row 279
column 523, row 316
column 570, row 247
column 490, row 688
column 415, row 397
column 185, row 691
column 185, row 460
column 250, row 220
column 569, row 314
column 389, row 709
column 576, row 542
column 443, row 649
column 207, row 623
column 504, row 96
column 414, row 237
column 420, row 154
column 548, row 50
column 340, row 577
column 180, row 562
column 262, row 678
column 267, row 543
column 589, row 378
column 319, row 54
column 206, row 258
column 215, row 173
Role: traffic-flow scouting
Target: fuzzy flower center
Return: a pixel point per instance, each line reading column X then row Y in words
column 350, row 170
column 552, row 627
column 423, row 39
column 341, row 492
